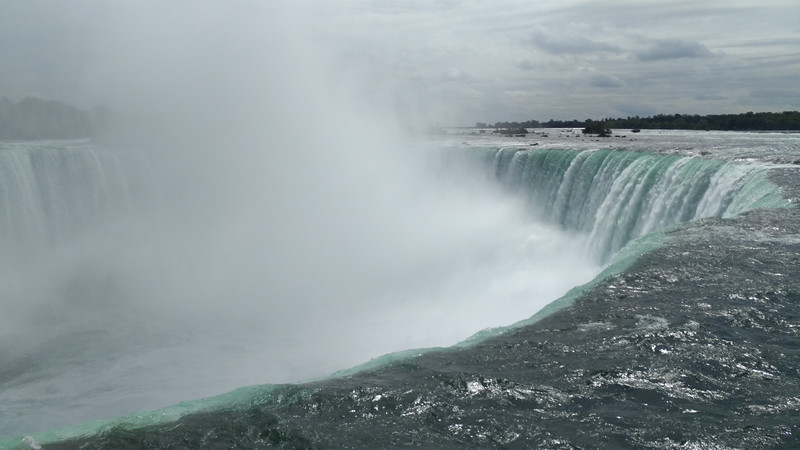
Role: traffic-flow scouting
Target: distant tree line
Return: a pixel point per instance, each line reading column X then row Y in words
column 750, row 121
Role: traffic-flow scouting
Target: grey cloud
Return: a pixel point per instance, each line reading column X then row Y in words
column 770, row 42
column 785, row 96
column 526, row 65
column 673, row 49
column 586, row 54
column 773, row 93
column 571, row 45
column 605, row 81
column 455, row 74
column 706, row 97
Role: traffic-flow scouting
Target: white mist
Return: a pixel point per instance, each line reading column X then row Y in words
column 288, row 231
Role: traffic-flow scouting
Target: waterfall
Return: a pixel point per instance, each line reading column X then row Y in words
column 52, row 191
column 616, row 196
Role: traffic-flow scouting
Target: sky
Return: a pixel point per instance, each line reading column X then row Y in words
column 429, row 62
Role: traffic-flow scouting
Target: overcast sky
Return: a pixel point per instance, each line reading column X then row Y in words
column 447, row 62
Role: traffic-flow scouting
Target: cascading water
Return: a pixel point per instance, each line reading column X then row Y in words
column 616, row 196
column 54, row 189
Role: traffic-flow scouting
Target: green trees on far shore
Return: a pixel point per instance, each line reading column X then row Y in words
column 599, row 128
column 750, row 121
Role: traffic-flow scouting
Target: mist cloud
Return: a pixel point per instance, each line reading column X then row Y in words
column 278, row 202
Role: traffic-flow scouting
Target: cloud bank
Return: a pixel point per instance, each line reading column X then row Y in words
column 460, row 62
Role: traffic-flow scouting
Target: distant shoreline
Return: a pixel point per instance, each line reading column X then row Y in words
column 33, row 118
column 749, row 121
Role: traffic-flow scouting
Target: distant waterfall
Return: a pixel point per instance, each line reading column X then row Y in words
column 617, row 196
column 51, row 191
